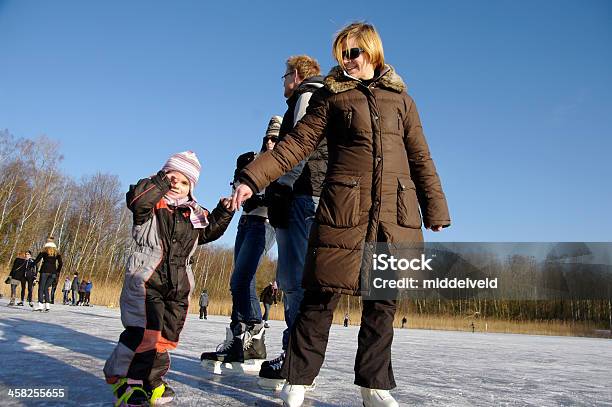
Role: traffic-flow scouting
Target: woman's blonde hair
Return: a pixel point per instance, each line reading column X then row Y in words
column 51, row 251
column 367, row 39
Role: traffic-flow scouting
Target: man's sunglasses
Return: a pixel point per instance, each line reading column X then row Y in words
column 352, row 53
column 272, row 139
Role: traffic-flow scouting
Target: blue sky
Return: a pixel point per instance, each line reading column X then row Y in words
column 515, row 96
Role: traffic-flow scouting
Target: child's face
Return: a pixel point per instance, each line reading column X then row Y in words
column 179, row 185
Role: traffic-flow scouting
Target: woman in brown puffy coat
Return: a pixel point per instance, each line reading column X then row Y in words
column 380, row 173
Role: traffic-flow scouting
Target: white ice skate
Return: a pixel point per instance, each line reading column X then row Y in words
column 377, row 398
column 292, row 395
column 47, row 307
column 39, row 307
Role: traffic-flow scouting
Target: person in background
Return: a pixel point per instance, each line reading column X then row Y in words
column 53, row 288
column 88, row 288
column 404, row 320
column 74, row 287
column 293, row 200
column 82, row 286
column 66, row 290
column 17, row 276
column 346, row 320
column 246, row 331
column 30, row 276
column 268, row 297
column 49, row 271
column 204, row 304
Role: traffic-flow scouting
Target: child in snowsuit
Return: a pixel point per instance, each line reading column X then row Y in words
column 168, row 227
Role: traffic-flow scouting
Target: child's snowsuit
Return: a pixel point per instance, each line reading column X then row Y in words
column 158, row 281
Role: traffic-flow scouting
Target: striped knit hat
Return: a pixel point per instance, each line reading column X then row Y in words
column 186, row 163
column 274, row 126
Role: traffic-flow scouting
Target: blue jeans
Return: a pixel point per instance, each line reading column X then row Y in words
column 292, row 246
column 266, row 314
column 44, row 284
column 254, row 238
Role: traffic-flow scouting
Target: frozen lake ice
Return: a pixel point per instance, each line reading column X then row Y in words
column 66, row 348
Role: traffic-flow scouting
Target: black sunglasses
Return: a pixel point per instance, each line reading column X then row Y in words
column 352, row 53
column 272, row 139
column 287, row 74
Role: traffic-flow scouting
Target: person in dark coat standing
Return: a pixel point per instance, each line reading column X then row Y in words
column 49, row 272
column 88, row 288
column 30, row 275
column 380, row 179
column 82, row 286
column 74, row 287
column 204, row 304
column 268, row 297
column 18, row 276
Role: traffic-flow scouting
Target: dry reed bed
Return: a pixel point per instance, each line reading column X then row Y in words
column 109, row 296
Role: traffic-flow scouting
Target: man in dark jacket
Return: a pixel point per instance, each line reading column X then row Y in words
column 30, row 276
column 75, row 288
column 204, row 304
column 298, row 193
column 268, row 297
column 18, row 276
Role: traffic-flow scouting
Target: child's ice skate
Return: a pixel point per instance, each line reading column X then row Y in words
column 162, row 394
column 130, row 393
column 242, row 352
column 377, row 398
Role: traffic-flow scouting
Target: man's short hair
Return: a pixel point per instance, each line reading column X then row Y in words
column 305, row 66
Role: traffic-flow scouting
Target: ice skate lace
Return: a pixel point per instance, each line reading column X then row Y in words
column 222, row 347
column 247, row 341
column 277, row 363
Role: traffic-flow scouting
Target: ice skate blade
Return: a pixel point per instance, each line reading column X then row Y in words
column 271, row 384
column 220, row 368
column 277, row 384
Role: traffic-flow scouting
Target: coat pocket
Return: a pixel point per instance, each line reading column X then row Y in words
column 339, row 204
column 408, row 214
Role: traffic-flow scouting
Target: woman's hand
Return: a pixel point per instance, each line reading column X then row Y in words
column 241, row 194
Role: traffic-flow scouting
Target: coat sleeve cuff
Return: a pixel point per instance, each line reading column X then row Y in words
column 244, row 178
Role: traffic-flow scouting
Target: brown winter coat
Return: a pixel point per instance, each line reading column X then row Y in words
column 379, row 173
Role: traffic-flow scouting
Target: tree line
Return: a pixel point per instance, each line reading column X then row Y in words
column 92, row 227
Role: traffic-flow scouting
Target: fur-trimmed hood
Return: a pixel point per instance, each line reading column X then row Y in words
column 338, row 81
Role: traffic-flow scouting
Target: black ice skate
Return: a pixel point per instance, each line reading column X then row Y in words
column 242, row 352
column 270, row 377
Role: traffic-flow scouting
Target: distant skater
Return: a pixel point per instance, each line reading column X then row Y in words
column 204, row 304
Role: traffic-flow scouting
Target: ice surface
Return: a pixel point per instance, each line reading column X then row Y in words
column 66, row 348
